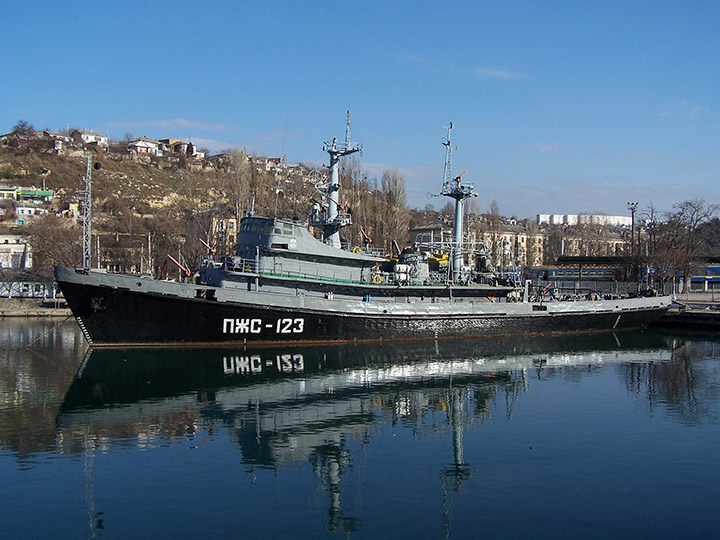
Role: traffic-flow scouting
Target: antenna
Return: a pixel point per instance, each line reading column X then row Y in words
column 447, row 172
column 333, row 220
column 347, row 130
column 453, row 188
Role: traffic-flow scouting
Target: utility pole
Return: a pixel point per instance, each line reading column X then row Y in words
column 632, row 206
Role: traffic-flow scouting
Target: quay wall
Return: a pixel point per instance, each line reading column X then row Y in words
column 33, row 307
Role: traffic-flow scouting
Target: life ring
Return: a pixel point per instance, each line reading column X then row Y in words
column 357, row 250
column 377, row 279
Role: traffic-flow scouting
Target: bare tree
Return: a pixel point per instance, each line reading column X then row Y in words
column 553, row 245
column 396, row 212
column 54, row 241
column 531, row 229
column 357, row 198
column 590, row 240
column 493, row 223
column 710, row 235
column 675, row 244
column 447, row 211
column 692, row 214
column 23, row 127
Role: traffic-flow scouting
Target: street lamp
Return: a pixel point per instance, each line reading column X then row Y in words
column 632, row 206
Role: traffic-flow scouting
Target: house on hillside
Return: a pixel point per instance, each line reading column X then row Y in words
column 8, row 193
column 178, row 147
column 59, row 141
column 144, row 146
column 28, row 139
column 27, row 213
column 85, row 137
column 35, row 196
column 272, row 164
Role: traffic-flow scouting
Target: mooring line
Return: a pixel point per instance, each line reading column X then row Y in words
column 46, row 333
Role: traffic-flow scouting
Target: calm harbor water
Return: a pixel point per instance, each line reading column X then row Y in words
column 602, row 436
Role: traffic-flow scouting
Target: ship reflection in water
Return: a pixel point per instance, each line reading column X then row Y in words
column 456, row 439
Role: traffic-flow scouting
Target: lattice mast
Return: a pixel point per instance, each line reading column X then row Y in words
column 334, row 220
column 86, row 202
column 455, row 189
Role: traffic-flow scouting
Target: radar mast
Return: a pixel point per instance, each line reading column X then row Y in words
column 455, row 189
column 333, row 219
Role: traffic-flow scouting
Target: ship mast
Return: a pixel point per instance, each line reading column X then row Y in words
column 453, row 188
column 86, row 204
column 333, row 220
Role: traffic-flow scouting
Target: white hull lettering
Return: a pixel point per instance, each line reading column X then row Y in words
column 290, row 326
column 255, row 326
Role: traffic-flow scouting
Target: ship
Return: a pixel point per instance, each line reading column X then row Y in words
column 285, row 285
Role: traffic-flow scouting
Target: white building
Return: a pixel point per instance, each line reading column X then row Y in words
column 15, row 252
column 25, row 213
column 89, row 137
column 144, row 146
column 584, row 219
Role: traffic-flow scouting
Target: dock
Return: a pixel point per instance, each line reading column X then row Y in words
column 694, row 310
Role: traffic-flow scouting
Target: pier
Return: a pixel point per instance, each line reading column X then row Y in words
column 694, row 310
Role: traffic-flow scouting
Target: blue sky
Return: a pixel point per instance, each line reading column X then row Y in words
column 558, row 107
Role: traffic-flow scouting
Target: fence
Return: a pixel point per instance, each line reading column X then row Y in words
column 27, row 289
column 602, row 287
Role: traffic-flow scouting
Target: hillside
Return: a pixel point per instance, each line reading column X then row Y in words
column 176, row 200
column 138, row 180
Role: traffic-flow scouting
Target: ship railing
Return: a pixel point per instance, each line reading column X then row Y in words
column 341, row 220
column 275, row 268
column 449, row 246
column 571, row 291
column 371, row 251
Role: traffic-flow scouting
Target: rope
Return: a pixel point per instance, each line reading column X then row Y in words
column 53, row 328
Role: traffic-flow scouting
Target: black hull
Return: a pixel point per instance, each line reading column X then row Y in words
column 112, row 316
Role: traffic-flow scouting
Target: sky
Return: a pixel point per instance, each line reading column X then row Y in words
column 558, row 106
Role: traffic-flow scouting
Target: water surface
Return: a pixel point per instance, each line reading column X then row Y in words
column 609, row 435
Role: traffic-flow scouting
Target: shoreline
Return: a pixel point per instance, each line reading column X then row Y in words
column 33, row 308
